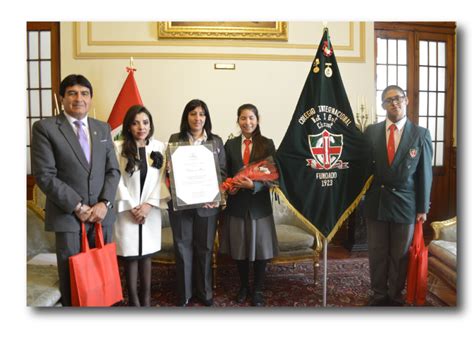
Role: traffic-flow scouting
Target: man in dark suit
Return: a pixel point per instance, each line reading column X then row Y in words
column 399, row 196
column 74, row 163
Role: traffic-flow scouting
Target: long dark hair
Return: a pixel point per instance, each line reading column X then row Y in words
column 184, row 127
column 258, row 146
column 129, row 147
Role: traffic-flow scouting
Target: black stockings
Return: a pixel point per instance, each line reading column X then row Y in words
column 259, row 267
column 134, row 269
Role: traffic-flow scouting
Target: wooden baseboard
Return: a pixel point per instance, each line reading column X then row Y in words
column 30, row 183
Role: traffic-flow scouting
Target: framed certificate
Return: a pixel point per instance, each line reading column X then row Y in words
column 194, row 175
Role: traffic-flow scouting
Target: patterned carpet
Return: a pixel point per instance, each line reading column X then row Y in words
column 285, row 286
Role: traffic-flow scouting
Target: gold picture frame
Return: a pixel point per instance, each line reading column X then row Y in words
column 273, row 31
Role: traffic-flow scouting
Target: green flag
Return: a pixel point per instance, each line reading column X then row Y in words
column 323, row 158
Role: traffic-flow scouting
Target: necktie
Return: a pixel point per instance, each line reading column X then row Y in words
column 246, row 157
column 81, row 136
column 391, row 144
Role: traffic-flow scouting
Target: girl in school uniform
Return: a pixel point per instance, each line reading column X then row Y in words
column 249, row 234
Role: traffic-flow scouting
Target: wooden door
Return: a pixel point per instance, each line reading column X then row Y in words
column 42, row 61
column 425, row 53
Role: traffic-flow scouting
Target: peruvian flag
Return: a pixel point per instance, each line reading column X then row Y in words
column 128, row 97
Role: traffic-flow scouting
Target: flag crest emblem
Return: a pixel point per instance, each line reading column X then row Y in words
column 326, row 149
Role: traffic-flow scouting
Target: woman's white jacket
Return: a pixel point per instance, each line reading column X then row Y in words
column 155, row 192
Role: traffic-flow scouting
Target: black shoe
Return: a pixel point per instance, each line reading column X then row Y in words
column 257, row 299
column 379, row 302
column 242, row 295
column 182, row 303
column 206, row 302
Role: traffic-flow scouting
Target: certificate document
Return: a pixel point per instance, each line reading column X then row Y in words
column 194, row 175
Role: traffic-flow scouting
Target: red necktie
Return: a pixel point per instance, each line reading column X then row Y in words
column 246, row 157
column 391, row 144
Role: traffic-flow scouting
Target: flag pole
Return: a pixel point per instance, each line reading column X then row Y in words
column 56, row 103
column 325, row 271
column 325, row 28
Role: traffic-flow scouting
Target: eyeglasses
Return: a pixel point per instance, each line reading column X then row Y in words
column 396, row 100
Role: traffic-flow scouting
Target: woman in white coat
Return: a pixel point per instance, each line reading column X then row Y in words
column 140, row 195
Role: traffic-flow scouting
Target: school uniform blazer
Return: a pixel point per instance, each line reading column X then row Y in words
column 155, row 192
column 256, row 201
column 400, row 191
column 219, row 150
column 64, row 175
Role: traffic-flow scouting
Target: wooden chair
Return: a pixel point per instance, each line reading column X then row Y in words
column 42, row 281
column 442, row 261
column 296, row 242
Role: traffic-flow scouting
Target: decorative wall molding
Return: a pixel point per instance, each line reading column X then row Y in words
column 86, row 46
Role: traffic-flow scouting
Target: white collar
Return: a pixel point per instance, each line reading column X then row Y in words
column 244, row 138
column 71, row 119
column 201, row 139
column 400, row 124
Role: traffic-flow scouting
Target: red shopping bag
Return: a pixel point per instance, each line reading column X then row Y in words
column 417, row 275
column 95, row 278
column 422, row 278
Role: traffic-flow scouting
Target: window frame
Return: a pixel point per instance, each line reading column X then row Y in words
column 54, row 28
column 414, row 32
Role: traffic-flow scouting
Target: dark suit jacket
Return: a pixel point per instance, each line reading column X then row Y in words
column 219, row 149
column 64, row 175
column 401, row 190
column 256, row 201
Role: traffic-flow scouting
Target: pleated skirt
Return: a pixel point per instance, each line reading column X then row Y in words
column 249, row 239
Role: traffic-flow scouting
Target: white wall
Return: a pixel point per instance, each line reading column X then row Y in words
column 166, row 85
